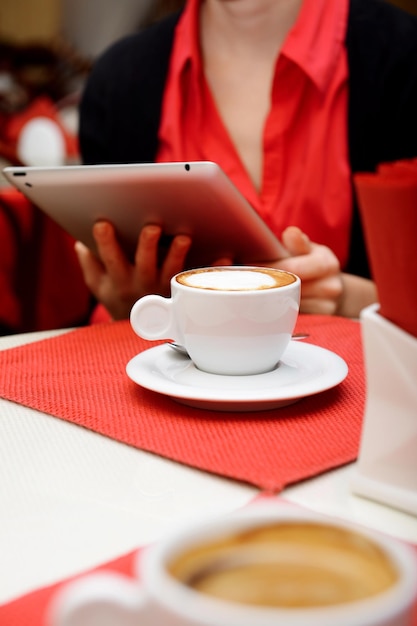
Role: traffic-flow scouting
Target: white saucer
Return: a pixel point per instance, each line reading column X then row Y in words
column 304, row 370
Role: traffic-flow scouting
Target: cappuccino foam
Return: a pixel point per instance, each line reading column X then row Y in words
column 235, row 279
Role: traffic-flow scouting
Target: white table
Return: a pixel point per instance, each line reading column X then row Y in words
column 71, row 499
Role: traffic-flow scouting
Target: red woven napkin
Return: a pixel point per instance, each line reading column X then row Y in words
column 388, row 206
column 80, row 377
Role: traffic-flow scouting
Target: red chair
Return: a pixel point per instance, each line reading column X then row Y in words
column 41, row 285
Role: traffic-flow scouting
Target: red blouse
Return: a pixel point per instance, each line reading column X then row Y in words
column 306, row 173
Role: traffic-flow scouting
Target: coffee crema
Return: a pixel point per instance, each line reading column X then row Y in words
column 287, row 565
column 235, row 279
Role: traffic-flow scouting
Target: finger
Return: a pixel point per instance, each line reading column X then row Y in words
column 225, row 261
column 296, row 241
column 146, row 255
column 320, row 263
column 174, row 261
column 91, row 266
column 110, row 252
column 314, row 306
column 330, row 288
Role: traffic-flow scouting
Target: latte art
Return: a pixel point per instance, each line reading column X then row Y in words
column 225, row 279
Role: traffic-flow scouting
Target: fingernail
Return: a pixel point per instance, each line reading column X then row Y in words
column 152, row 230
column 183, row 240
column 100, row 228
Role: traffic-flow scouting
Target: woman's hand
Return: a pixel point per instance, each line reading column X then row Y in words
column 319, row 270
column 324, row 288
column 117, row 283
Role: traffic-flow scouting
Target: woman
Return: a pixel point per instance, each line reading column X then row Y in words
column 290, row 97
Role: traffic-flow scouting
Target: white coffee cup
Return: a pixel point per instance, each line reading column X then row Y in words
column 271, row 567
column 231, row 320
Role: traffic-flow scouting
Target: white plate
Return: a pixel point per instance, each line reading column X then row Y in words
column 304, row 370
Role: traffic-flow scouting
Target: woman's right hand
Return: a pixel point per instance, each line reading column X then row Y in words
column 115, row 281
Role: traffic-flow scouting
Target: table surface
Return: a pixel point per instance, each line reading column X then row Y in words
column 71, row 499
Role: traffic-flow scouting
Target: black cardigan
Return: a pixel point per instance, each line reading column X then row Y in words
column 121, row 105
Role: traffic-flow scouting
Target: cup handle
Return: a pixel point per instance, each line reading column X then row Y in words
column 102, row 598
column 151, row 318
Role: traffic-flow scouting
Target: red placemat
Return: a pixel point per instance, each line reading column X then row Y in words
column 80, row 377
column 30, row 609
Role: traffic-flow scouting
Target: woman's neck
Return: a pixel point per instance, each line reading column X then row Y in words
column 244, row 25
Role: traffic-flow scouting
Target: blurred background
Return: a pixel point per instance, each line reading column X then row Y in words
column 89, row 25
column 47, row 48
column 46, row 51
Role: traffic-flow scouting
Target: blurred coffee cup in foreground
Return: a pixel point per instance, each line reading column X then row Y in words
column 268, row 567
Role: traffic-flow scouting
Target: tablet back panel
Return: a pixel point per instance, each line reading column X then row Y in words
column 194, row 198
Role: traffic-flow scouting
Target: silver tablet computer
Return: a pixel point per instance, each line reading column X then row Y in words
column 194, row 198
